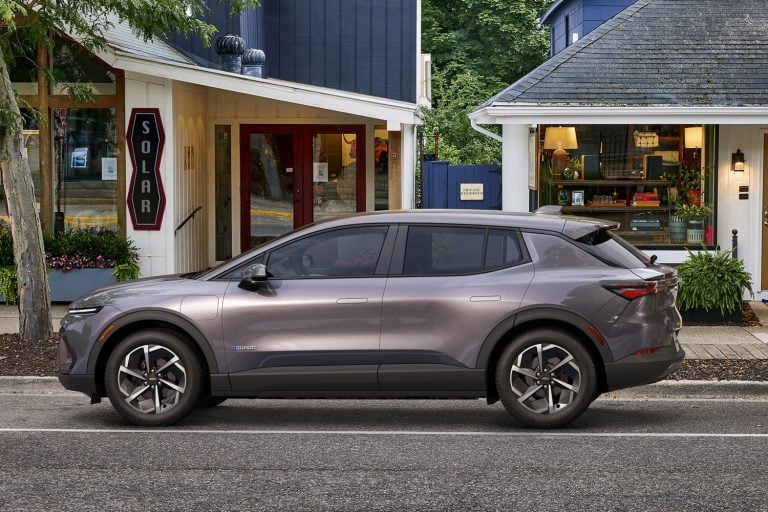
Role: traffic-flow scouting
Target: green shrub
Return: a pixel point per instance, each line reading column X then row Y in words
column 8, row 286
column 103, row 247
column 712, row 280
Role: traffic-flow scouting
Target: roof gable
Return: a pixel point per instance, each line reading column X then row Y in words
column 659, row 53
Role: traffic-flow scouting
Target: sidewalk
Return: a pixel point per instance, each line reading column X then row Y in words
column 699, row 342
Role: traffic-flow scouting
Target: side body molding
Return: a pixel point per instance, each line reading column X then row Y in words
column 551, row 316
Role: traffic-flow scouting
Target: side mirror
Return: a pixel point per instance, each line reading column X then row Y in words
column 253, row 276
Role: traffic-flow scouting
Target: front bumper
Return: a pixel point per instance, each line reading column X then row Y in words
column 636, row 370
column 82, row 383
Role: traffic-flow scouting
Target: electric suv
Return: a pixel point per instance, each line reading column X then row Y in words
column 538, row 310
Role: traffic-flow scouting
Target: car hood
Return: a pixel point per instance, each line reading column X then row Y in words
column 130, row 289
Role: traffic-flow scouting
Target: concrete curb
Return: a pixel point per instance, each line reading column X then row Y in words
column 665, row 390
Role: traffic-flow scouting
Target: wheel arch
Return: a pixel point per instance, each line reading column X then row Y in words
column 535, row 318
column 138, row 321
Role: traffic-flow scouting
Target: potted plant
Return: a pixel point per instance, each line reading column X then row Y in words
column 689, row 185
column 695, row 215
column 712, row 287
column 78, row 260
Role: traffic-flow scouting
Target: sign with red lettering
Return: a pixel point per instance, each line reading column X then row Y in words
column 146, row 197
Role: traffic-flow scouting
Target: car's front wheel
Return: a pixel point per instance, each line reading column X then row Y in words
column 546, row 378
column 153, row 378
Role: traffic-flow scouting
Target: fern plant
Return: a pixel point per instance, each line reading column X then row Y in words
column 712, row 280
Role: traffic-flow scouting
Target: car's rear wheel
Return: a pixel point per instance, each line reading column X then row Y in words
column 546, row 378
column 153, row 378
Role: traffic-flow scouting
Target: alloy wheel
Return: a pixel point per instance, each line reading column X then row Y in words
column 545, row 378
column 152, row 379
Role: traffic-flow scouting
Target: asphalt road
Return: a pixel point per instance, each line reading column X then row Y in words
column 59, row 453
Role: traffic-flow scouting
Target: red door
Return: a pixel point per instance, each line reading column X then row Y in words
column 292, row 175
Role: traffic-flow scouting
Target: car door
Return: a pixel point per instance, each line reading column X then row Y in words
column 449, row 287
column 315, row 323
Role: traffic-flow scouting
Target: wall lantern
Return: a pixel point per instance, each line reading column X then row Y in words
column 559, row 139
column 737, row 161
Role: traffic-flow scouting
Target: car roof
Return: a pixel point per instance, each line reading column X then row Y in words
column 569, row 225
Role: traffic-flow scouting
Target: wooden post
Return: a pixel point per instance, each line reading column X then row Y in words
column 394, row 170
column 46, row 164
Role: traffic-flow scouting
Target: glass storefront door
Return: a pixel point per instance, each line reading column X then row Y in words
column 269, row 185
column 294, row 175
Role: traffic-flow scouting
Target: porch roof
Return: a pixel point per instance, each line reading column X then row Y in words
column 157, row 58
column 700, row 59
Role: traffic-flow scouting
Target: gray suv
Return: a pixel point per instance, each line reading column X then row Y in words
column 541, row 311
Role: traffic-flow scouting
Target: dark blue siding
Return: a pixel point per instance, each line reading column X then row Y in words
column 363, row 46
column 584, row 17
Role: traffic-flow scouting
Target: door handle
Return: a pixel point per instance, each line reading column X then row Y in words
column 352, row 300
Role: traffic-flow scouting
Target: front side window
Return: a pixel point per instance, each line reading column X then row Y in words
column 350, row 252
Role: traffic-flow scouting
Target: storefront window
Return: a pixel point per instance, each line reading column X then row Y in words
column 85, row 167
column 656, row 181
column 73, row 65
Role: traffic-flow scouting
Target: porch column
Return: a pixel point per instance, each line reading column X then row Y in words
column 408, row 166
column 514, row 168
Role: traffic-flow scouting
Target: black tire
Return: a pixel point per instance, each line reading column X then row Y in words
column 208, row 401
column 170, row 394
column 553, row 401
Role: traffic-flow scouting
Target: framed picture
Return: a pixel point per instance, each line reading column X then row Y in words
column 562, row 197
column 577, row 198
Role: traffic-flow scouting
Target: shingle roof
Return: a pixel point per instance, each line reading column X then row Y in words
column 659, row 53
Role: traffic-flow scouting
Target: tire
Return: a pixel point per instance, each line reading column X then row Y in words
column 208, row 401
column 168, row 394
column 549, row 399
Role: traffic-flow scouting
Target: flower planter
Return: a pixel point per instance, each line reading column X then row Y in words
column 67, row 286
column 695, row 232
column 676, row 230
column 712, row 317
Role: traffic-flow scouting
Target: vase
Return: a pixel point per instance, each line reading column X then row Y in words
column 676, row 230
column 695, row 232
column 694, row 197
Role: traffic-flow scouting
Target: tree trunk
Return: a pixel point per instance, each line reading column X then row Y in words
column 34, row 304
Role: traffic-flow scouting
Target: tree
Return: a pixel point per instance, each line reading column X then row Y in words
column 87, row 20
column 478, row 47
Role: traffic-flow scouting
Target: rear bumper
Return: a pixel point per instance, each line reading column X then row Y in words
column 636, row 370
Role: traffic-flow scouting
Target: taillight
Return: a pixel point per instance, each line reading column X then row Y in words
column 631, row 290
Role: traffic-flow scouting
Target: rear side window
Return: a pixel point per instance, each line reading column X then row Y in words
column 616, row 251
column 432, row 250
column 447, row 250
column 503, row 249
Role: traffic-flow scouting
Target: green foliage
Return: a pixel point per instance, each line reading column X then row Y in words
column 83, row 243
column 8, row 285
column 712, row 280
column 498, row 39
column 6, row 249
column 478, row 47
column 90, row 244
column 126, row 271
column 693, row 212
column 459, row 143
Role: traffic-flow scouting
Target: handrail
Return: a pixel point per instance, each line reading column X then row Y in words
column 187, row 219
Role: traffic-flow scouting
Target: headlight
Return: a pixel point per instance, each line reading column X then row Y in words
column 92, row 310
